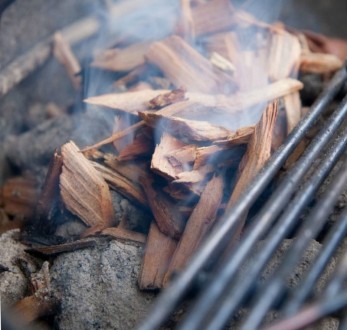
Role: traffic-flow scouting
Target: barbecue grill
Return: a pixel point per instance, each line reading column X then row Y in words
column 224, row 293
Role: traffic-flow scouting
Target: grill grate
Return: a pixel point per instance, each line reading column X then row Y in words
column 223, row 295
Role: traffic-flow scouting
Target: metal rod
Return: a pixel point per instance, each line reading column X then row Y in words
column 263, row 221
column 337, row 282
column 312, row 313
column 276, row 284
column 330, row 244
column 343, row 323
column 233, row 296
column 169, row 298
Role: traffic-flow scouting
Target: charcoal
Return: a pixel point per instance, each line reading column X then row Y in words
column 98, row 288
column 13, row 282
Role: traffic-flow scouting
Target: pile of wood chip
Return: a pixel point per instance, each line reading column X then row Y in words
column 196, row 115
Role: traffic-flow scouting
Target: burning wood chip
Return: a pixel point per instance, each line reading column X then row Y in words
column 167, row 217
column 199, row 223
column 19, row 197
column 257, row 154
column 124, row 234
column 84, row 191
column 189, row 130
column 124, row 59
column 129, row 189
column 158, row 253
column 163, row 162
column 162, row 100
column 200, row 77
column 319, row 63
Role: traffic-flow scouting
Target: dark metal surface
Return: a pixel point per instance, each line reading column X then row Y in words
column 310, row 229
column 222, row 310
column 177, row 290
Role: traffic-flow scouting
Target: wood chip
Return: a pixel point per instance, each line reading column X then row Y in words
column 292, row 103
column 174, row 57
column 199, row 223
column 122, row 59
column 62, row 248
column 189, row 130
column 166, row 215
column 129, row 189
column 124, row 234
column 319, row 63
column 163, row 100
column 50, row 193
column 257, row 154
column 20, row 196
column 132, row 102
column 158, row 253
column 83, row 190
column 213, row 16
column 162, row 162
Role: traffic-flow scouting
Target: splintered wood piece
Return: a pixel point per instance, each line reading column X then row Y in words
column 319, row 43
column 190, row 130
column 204, row 154
column 163, row 100
column 188, row 191
column 185, row 27
column 217, row 156
column 222, row 104
column 122, row 59
column 128, row 102
column 213, row 16
column 320, row 63
column 133, row 102
column 83, row 190
column 224, row 44
column 240, row 136
column 222, row 63
column 161, row 163
column 257, row 154
column 185, row 155
column 141, row 146
column 116, row 136
column 199, row 223
column 20, row 196
column 129, row 189
column 63, row 53
column 284, row 55
column 124, row 234
column 292, row 103
column 174, row 57
column 62, row 248
column 130, row 78
column 50, row 191
column 130, row 170
column 190, row 178
column 281, row 127
column 158, row 253
column 166, row 215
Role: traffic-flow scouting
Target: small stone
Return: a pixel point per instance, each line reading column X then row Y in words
column 13, row 283
column 98, row 287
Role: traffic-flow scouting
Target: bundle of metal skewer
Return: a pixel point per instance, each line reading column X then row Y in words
column 223, row 292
